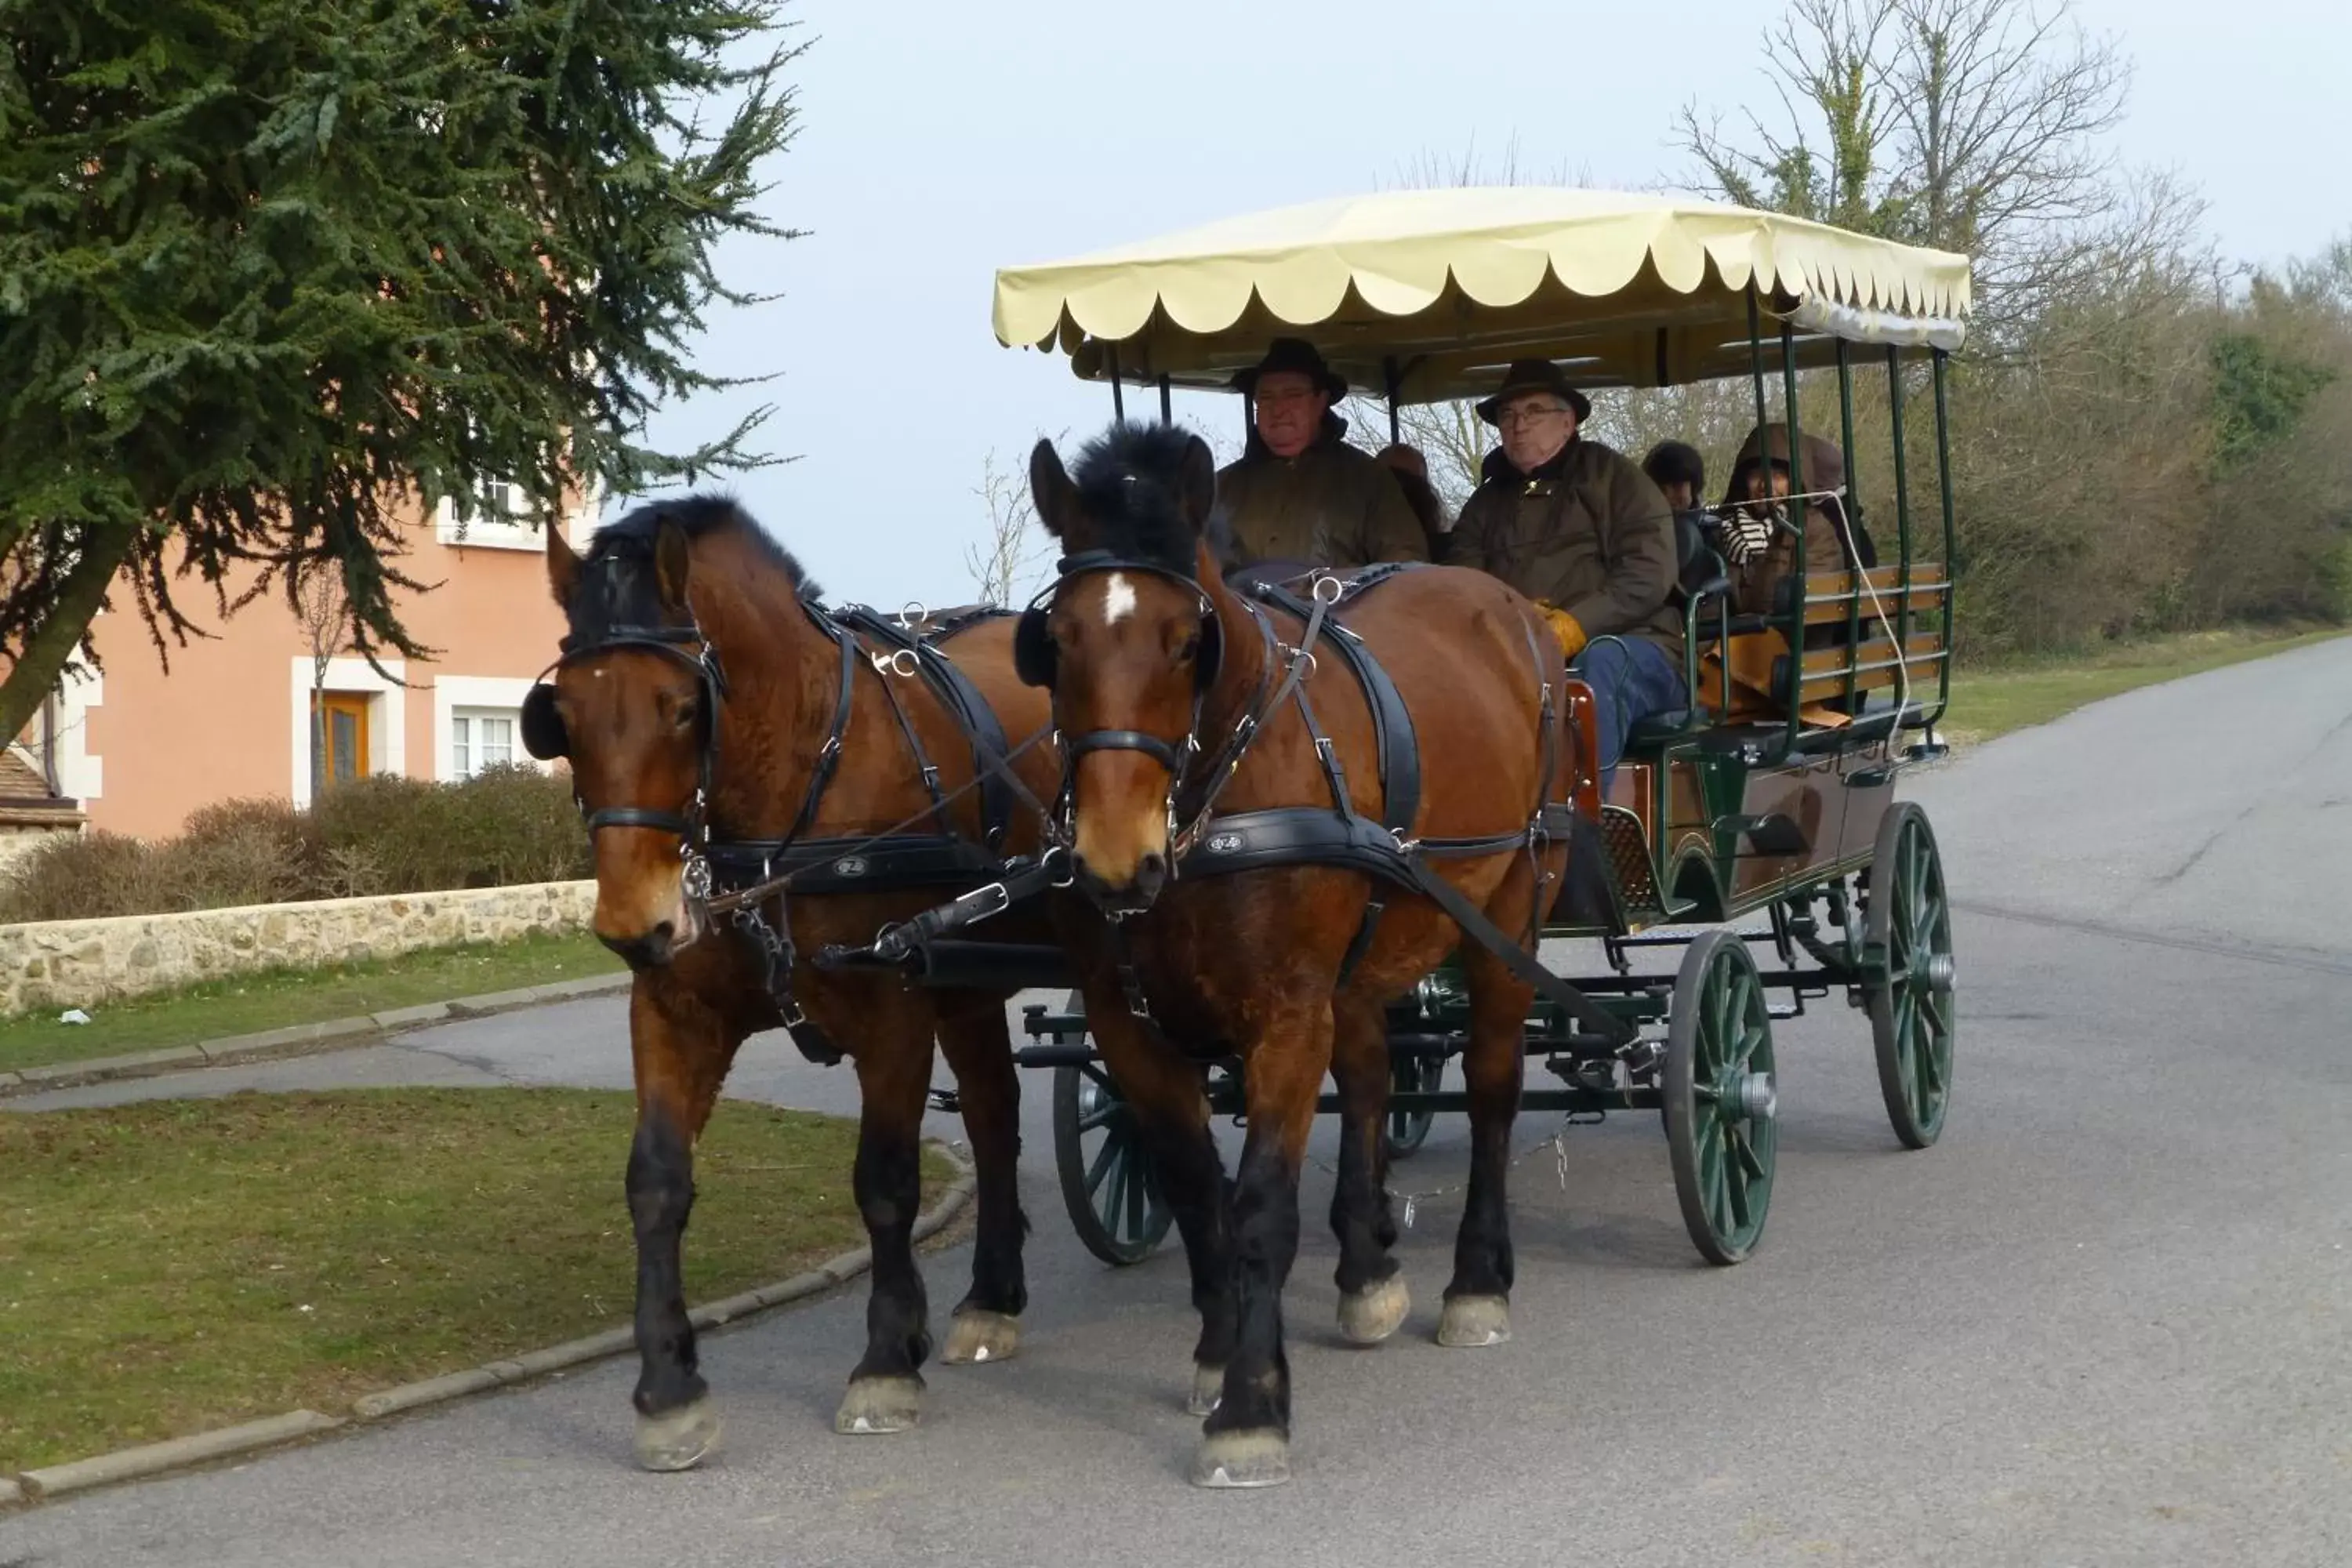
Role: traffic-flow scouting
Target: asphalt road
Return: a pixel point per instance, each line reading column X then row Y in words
column 2104, row 1321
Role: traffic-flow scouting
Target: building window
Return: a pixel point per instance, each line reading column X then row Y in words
column 480, row 738
column 501, row 520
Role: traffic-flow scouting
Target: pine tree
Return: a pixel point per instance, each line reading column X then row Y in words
column 276, row 273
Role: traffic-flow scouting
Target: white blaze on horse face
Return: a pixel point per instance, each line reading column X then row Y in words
column 1119, row 599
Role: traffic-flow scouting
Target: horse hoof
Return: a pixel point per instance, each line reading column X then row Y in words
column 1471, row 1323
column 678, row 1439
column 975, row 1336
column 879, row 1405
column 1242, row 1460
column 1208, row 1390
column 1370, row 1315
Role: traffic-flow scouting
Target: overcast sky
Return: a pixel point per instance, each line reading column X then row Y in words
column 942, row 139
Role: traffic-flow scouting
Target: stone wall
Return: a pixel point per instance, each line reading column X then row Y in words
column 78, row 964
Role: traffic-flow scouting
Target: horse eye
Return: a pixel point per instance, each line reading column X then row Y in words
column 686, row 713
column 1191, row 649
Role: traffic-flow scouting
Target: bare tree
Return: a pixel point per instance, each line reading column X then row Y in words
column 321, row 610
column 1969, row 125
column 1006, row 568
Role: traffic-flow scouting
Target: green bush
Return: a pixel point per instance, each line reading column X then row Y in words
column 375, row 836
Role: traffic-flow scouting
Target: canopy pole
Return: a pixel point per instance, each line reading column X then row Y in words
column 1951, row 552
column 1902, row 489
column 1118, row 396
column 1390, row 375
column 1796, row 487
column 1167, row 408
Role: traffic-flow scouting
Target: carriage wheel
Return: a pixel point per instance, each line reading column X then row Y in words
column 1107, row 1184
column 1719, row 1096
column 1408, row 1130
column 1908, row 926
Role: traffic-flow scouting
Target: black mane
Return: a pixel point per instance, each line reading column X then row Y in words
column 1130, row 487
column 618, row 585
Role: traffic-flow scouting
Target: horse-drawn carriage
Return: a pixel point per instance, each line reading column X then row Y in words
column 1268, row 834
column 1773, row 795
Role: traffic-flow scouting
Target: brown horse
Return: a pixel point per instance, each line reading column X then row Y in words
column 706, row 700
column 1156, row 668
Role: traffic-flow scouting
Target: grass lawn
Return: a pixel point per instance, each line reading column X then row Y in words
column 1990, row 703
column 248, row 1003
column 177, row 1266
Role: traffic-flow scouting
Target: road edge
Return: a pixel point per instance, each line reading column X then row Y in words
column 30, row 1488
column 301, row 1039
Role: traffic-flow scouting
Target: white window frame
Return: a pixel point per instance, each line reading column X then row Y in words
column 514, row 530
column 387, row 714
column 500, row 695
column 473, row 718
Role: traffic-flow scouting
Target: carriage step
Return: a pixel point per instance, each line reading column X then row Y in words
column 1628, row 857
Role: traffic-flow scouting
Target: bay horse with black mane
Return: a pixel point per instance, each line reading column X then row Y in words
column 1403, row 785
column 722, row 725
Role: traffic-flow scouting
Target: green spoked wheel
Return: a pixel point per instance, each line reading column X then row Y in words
column 1719, row 1096
column 1107, row 1181
column 1412, row 1075
column 1907, row 952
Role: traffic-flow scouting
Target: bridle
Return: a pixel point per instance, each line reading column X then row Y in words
column 687, row 645
column 1034, row 658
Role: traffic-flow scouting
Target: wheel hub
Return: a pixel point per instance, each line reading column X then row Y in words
column 1939, row 971
column 1747, row 1096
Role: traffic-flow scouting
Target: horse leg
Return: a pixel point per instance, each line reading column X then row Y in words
column 986, row 1326
column 1478, row 1300
column 1373, row 1300
column 894, row 1079
column 1246, row 1440
column 681, row 1051
column 1171, row 1115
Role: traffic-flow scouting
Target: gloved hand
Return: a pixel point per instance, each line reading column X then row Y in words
column 1564, row 627
column 1745, row 537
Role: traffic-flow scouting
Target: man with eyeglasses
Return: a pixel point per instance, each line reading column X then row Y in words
column 1300, row 494
column 1581, row 530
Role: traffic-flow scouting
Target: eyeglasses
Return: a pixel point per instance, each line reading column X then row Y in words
column 1511, row 416
column 1281, row 397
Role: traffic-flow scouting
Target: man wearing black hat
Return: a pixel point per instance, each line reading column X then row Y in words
column 1579, row 528
column 1299, row 493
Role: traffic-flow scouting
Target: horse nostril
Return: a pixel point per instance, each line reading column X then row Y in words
column 658, row 938
column 1150, row 872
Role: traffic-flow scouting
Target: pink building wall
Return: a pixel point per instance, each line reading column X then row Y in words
column 142, row 748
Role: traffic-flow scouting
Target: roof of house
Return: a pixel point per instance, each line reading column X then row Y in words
column 25, row 798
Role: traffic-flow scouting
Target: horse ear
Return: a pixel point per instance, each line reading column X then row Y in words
column 1199, row 482
column 1055, row 498
column 671, row 555
column 562, row 565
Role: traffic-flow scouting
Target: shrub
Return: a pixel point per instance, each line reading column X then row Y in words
column 372, row 836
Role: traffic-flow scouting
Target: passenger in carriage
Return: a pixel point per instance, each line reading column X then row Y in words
column 1680, row 474
column 1577, row 527
column 1754, row 502
column 1300, row 493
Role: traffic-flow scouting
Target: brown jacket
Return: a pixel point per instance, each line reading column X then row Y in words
column 1329, row 506
column 1826, row 549
column 1588, row 533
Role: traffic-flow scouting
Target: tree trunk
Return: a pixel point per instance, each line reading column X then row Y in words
column 50, row 648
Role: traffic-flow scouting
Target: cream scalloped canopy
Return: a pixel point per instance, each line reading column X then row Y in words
column 1430, row 293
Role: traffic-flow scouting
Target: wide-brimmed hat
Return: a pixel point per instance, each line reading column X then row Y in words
column 1535, row 375
column 1299, row 357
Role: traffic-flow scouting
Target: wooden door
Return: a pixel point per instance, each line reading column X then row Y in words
column 341, row 753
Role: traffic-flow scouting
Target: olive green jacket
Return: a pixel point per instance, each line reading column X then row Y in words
column 1587, row 533
column 1331, row 505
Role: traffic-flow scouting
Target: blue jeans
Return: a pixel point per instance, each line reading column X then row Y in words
column 1631, row 679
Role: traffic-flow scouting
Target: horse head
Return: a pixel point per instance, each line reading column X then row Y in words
column 635, row 702
column 1128, row 640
